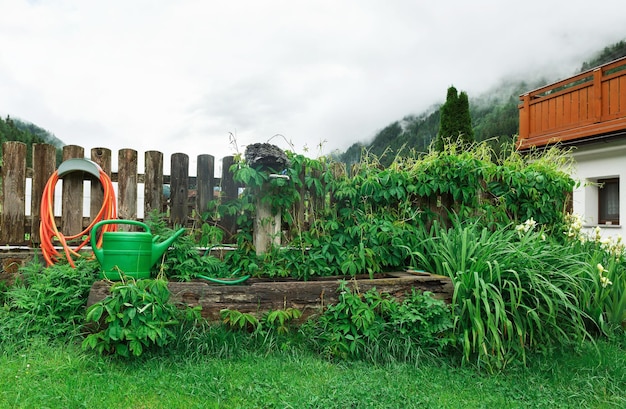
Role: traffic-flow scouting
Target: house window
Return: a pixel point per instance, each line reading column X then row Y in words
column 608, row 201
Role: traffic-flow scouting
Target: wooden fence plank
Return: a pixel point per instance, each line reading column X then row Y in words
column 44, row 165
column 613, row 97
column 205, row 175
column 102, row 156
column 552, row 113
column 179, row 189
column 72, row 194
column 153, row 182
column 13, row 193
column 127, row 187
column 575, row 107
column 622, row 96
column 558, row 111
column 567, row 109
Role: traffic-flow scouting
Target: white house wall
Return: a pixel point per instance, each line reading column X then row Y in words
column 595, row 161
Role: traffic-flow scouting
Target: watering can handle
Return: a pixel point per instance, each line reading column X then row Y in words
column 94, row 229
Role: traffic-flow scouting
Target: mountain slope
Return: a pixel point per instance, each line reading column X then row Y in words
column 494, row 116
column 39, row 132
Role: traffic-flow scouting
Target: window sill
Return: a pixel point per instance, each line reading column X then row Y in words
column 602, row 226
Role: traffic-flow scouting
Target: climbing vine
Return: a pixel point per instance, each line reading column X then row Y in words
column 364, row 220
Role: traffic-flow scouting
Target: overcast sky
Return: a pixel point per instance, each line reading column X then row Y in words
column 183, row 75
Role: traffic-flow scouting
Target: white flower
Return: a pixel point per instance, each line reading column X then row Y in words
column 530, row 223
column 600, row 268
column 604, row 281
column 526, row 226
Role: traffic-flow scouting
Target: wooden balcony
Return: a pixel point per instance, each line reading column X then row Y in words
column 579, row 108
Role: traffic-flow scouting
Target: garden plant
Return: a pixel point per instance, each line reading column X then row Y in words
column 532, row 290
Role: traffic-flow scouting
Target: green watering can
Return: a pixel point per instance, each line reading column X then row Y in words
column 129, row 253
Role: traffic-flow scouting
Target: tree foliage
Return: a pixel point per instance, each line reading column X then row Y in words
column 16, row 130
column 455, row 120
column 10, row 132
column 608, row 54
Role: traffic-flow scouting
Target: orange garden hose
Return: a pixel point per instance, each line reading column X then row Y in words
column 49, row 231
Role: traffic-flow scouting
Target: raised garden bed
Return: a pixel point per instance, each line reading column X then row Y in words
column 260, row 295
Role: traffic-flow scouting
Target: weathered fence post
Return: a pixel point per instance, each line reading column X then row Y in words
column 44, row 165
column 229, row 192
column 72, row 196
column 205, row 175
column 153, row 182
column 268, row 159
column 101, row 156
column 179, row 189
column 13, row 193
column 127, row 186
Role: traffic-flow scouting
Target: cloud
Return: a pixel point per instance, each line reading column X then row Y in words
column 183, row 76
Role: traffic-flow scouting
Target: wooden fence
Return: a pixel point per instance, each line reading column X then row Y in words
column 187, row 202
column 189, row 195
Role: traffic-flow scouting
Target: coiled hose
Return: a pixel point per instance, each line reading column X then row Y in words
column 48, row 229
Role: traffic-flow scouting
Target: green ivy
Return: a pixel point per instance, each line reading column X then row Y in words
column 368, row 222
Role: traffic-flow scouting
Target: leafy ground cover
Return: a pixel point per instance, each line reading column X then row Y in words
column 47, row 375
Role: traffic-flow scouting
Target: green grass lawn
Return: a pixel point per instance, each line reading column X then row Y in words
column 51, row 376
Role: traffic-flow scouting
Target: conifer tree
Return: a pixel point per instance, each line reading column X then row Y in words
column 455, row 122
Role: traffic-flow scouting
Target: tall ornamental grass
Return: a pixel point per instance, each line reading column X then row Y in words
column 514, row 290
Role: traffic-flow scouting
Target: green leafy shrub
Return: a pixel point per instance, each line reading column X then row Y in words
column 535, row 186
column 424, row 319
column 183, row 261
column 48, row 302
column 345, row 328
column 375, row 327
column 238, row 320
column 281, row 320
column 137, row 316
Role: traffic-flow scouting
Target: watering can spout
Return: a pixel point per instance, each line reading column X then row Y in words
column 159, row 248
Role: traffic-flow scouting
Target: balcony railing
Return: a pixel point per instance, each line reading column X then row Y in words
column 586, row 105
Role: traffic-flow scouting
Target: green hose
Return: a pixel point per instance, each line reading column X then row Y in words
column 217, row 280
column 227, row 282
